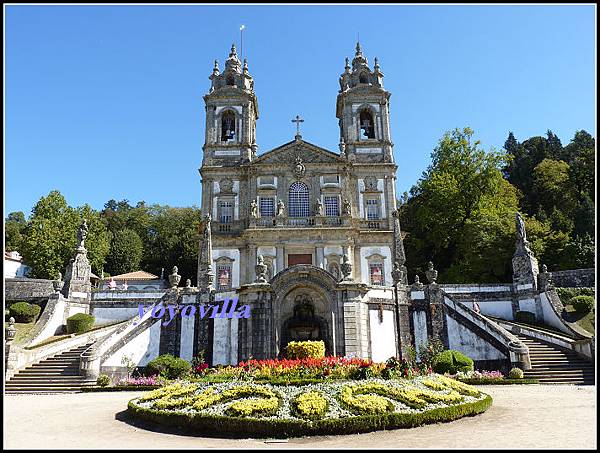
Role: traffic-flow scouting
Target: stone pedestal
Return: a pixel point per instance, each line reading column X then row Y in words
column 77, row 286
column 525, row 269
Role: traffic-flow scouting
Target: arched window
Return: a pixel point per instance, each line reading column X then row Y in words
column 362, row 78
column 228, row 126
column 367, row 124
column 298, row 200
column 229, row 80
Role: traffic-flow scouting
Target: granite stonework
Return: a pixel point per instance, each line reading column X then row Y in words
column 576, row 278
column 27, row 289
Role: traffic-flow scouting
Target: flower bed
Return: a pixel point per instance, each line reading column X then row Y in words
column 332, row 407
column 488, row 378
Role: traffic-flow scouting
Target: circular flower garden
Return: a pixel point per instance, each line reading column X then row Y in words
column 307, row 396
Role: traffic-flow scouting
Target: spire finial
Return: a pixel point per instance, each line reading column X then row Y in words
column 347, row 66
column 358, row 51
column 245, row 65
column 233, row 51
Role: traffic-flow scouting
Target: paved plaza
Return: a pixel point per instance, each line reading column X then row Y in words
column 522, row 416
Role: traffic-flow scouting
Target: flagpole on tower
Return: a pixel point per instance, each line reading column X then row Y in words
column 242, row 41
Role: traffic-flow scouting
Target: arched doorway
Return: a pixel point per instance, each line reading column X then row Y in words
column 305, row 325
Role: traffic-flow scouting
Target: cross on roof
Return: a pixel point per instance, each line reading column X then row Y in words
column 298, row 120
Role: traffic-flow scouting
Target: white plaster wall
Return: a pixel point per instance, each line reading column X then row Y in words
column 225, row 341
column 54, row 322
column 383, row 341
column 233, row 254
column 361, row 188
column 550, row 316
column 381, row 293
column 496, row 308
column 527, row 305
column 382, row 250
column 143, row 348
column 466, row 341
column 73, row 309
column 420, row 325
column 108, row 315
column 333, row 249
column 186, row 349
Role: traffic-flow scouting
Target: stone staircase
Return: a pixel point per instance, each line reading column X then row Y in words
column 56, row 374
column 553, row 365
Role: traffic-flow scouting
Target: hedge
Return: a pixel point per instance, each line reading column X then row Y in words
column 80, row 323
column 305, row 349
column 582, row 304
column 451, row 361
column 280, row 428
column 566, row 294
column 168, row 366
column 24, row 312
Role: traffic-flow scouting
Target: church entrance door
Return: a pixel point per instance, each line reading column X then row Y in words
column 304, row 325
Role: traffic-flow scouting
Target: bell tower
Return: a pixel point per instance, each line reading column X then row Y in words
column 231, row 114
column 363, row 111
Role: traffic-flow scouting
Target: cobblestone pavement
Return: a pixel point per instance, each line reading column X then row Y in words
column 522, row 416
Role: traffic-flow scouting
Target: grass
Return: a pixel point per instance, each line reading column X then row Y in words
column 23, row 329
column 584, row 320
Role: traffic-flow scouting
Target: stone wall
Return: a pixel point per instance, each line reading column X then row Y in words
column 28, row 289
column 575, row 278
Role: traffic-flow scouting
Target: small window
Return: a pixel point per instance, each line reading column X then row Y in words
column 229, row 80
column 362, row 78
column 332, row 206
column 367, row 124
column 372, row 209
column 225, row 211
column 267, row 207
column 331, row 179
column 228, row 127
column 376, row 273
column 223, row 277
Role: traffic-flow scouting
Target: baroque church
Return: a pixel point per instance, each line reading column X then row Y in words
column 309, row 241
column 308, row 236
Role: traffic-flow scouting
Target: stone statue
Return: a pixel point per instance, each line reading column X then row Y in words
column 544, row 279
column 431, row 273
column 254, row 209
column 261, row 270
column 346, row 207
column 188, row 283
column 280, row 209
column 319, row 207
column 521, row 233
column 346, row 267
column 174, row 278
column 82, row 233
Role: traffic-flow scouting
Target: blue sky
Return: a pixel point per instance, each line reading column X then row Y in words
column 106, row 102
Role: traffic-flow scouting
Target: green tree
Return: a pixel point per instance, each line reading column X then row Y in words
column 125, row 254
column 50, row 236
column 98, row 239
column 552, row 186
column 173, row 239
column 14, row 229
column 461, row 212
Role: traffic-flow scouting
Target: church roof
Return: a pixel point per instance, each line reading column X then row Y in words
column 309, row 153
column 137, row 275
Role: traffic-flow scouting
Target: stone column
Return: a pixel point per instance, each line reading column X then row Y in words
column 251, row 263
column 320, row 257
column 280, row 257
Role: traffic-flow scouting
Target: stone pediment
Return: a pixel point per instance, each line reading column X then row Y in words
column 308, row 153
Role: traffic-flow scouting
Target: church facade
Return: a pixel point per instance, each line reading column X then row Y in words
column 307, row 236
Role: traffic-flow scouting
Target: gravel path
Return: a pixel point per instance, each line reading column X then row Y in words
column 522, row 416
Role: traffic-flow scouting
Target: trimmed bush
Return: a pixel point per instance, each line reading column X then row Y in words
column 526, row 317
column 566, row 294
column 515, row 373
column 80, row 323
column 305, row 349
column 452, row 362
column 103, row 380
column 582, row 304
column 168, row 366
column 24, row 312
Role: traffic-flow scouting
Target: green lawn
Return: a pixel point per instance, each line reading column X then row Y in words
column 23, row 329
column 585, row 320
